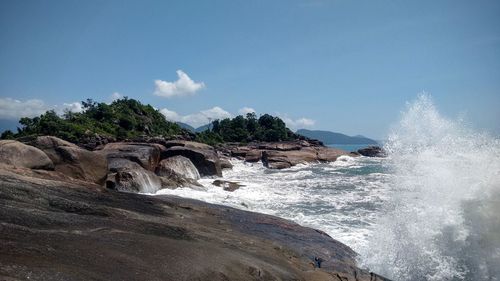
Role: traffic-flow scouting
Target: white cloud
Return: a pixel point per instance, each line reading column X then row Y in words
column 184, row 86
column 170, row 115
column 296, row 124
column 245, row 110
column 116, row 96
column 73, row 107
column 14, row 109
column 197, row 119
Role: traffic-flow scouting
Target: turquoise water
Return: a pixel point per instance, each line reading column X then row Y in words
column 349, row 147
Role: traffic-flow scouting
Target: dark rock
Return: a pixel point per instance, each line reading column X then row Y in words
column 372, row 151
column 21, row 155
column 227, row 185
column 206, row 161
column 72, row 160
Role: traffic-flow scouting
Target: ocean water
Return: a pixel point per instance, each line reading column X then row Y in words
column 429, row 211
column 349, row 147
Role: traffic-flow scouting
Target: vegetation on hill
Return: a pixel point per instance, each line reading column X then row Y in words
column 128, row 118
column 122, row 119
column 247, row 129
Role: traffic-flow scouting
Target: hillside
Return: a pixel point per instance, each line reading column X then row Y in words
column 328, row 137
column 122, row 119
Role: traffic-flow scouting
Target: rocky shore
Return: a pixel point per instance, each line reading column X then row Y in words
column 62, row 217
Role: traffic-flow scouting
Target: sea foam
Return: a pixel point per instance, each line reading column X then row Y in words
column 441, row 221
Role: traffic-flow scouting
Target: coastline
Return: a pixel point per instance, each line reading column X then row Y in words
column 78, row 227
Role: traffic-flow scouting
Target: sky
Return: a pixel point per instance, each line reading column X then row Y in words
column 345, row 66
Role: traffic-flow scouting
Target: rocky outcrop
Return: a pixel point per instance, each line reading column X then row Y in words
column 279, row 159
column 177, row 171
column 145, row 154
column 129, row 176
column 280, row 155
column 72, row 160
column 21, row 155
column 206, row 161
column 253, row 155
column 58, row 230
column 225, row 163
column 227, row 185
column 372, row 151
column 179, row 165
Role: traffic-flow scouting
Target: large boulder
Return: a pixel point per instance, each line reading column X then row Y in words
column 129, row 176
column 328, row 154
column 205, row 160
column 372, row 151
column 253, row 155
column 21, row 155
column 279, row 159
column 145, row 154
column 178, row 165
column 72, row 160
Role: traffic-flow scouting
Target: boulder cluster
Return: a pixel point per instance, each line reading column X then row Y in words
column 124, row 166
column 148, row 166
column 281, row 155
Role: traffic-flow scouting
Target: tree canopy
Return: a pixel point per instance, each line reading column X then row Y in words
column 247, row 129
column 128, row 118
column 123, row 118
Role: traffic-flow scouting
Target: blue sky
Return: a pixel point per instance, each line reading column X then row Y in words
column 346, row 66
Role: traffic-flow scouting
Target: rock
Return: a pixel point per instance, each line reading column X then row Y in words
column 52, row 232
column 253, row 155
column 145, row 154
column 72, row 160
column 372, row 151
column 188, row 144
column 285, row 159
column 225, row 163
column 281, row 146
column 131, row 177
column 21, row 155
column 328, row 154
column 174, row 181
column 240, row 152
column 227, row 185
column 177, row 165
column 50, row 142
column 206, row 161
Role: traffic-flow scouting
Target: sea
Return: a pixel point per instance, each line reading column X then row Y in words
column 428, row 211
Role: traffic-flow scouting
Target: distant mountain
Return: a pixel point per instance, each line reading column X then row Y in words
column 193, row 129
column 328, row 137
column 186, row 126
column 202, row 128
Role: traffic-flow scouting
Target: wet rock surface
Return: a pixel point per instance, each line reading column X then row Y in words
column 59, row 230
column 372, row 151
column 281, row 155
column 227, row 185
column 205, row 160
